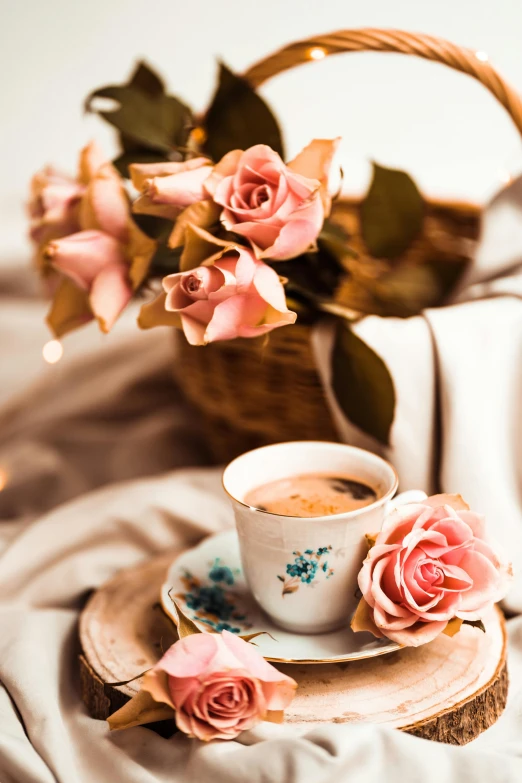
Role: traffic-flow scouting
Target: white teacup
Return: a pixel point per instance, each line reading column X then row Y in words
column 327, row 551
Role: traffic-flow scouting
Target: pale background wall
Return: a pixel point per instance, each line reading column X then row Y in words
column 441, row 126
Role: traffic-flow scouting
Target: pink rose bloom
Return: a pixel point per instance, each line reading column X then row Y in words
column 237, row 296
column 279, row 210
column 167, row 188
column 218, row 685
column 98, row 258
column 430, row 563
column 53, row 205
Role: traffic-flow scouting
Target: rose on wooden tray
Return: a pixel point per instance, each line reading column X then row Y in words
column 430, row 569
column 214, row 685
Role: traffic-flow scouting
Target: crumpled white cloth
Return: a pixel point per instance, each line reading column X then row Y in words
column 458, row 383
column 45, row 734
column 113, row 414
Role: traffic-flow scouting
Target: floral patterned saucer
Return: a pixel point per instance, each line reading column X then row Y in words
column 208, row 584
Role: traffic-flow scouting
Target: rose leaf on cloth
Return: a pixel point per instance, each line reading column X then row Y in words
column 362, row 384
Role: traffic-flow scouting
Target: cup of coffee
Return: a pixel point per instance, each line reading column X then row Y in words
column 302, row 510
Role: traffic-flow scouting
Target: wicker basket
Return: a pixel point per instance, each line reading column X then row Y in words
column 254, row 392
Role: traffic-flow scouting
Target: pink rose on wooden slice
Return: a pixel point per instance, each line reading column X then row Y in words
column 167, row 188
column 278, row 208
column 431, row 563
column 218, row 685
column 235, row 296
column 103, row 262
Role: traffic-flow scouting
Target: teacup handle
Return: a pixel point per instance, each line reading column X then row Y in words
column 410, row 496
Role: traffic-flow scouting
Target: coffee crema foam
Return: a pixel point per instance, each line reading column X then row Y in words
column 312, row 495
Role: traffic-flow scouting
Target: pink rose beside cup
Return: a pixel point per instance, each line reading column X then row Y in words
column 431, row 564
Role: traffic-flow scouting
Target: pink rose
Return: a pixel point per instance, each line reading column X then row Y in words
column 430, row 563
column 237, row 296
column 218, row 685
column 279, row 209
column 167, row 188
column 53, row 205
column 106, row 257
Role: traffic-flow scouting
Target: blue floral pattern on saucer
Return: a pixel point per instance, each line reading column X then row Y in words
column 209, row 577
column 211, row 603
column 305, row 568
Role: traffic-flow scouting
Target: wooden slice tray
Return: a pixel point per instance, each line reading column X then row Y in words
column 450, row 690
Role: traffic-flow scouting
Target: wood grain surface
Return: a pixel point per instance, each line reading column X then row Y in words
column 450, row 690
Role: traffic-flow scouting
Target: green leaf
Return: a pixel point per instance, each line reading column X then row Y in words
column 145, row 115
column 238, row 118
column 317, row 274
column 392, row 213
column 408, row 289
column 362, row 384
column 147, row 80
column 185, row 626
column 334, row 239
column 137, row 155
column 135, row 152
column 475, row 624
column 165, row 261
column 155, row 227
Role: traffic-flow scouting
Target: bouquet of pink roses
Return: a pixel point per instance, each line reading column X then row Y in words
column 204, row 214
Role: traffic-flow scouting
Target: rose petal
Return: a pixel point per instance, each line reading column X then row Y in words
column 278, row 688
column 485, row 577
column 179, row 189
column 477, row 522
column 314, row 162
column 193, row 656
column 260, row 235
column 105, row 205
column 268, row 285
column 83, row 255
column 225, row 168
column 454, row 501
column 144, row 205
column 110, row 293
column 141, row 173
column 418, row 634
column 91, row 161
column 385, row 566
column 233, row 315
column 386, row 622
column 298, row 235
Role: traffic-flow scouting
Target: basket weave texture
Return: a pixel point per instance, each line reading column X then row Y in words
column 250, row 393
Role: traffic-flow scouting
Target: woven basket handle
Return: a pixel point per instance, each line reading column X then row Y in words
column 375, row 40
